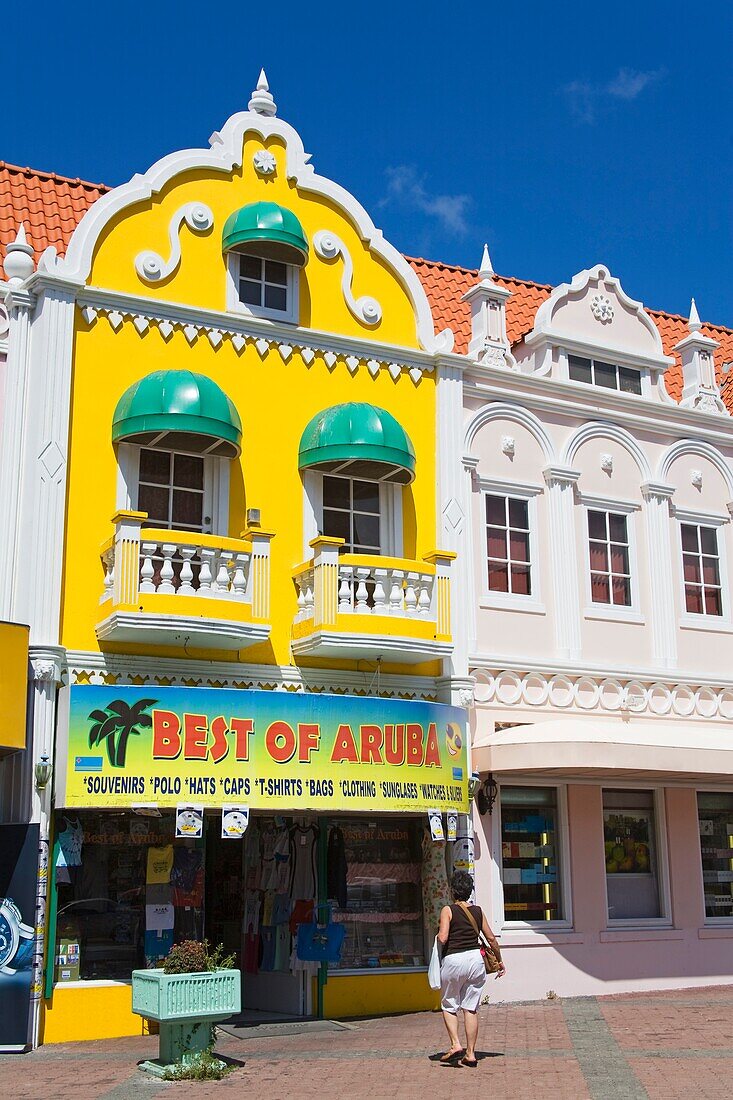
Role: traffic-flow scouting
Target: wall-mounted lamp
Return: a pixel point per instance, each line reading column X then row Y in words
column 42, row 772
column 487, row 796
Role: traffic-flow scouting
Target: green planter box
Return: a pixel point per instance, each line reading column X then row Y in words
column 186, row 1005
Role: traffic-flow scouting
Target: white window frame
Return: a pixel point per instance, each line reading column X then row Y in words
column 582, row 351
column 216, row 485
column 662, row 852
column 712, row 922
column 613, row 612
column 689, row 620
column 564, row 877
column 235, row 305
column 391, row 533
column 512, row 601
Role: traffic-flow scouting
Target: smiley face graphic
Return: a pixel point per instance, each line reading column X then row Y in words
column 454, row 738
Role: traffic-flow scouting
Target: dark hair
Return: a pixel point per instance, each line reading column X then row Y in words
column 461, row 885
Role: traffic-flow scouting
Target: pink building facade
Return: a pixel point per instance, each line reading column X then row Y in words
column 592, row 513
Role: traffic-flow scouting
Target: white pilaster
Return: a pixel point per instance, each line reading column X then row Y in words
column 561, row 511
column 453, row 508
column 664, row 630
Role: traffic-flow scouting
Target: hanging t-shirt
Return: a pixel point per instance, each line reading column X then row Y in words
column 158, row 945
column 70, row 843
column 337, row 868
column 160, row 864
column 303, row 879
column 187, row 877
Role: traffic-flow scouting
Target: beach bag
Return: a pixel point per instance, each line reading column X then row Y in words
column 491, row 963
column 320, row 941
column 434, row 966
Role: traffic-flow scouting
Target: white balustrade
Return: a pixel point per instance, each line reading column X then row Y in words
column 372, row 589
column 179, row 566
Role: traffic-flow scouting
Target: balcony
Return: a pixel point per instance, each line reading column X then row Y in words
column 184, row 589
column 359, row 606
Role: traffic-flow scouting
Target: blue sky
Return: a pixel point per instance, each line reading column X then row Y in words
column 564, row 134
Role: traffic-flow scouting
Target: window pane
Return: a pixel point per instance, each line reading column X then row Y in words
column 708, row 540
column 597, row 525
column 519, row 546
column 579, row 369
column 691, row 567
column 518, row 514
column 629, row 380
column 250, row 267
column 619, row 559
column 713, row 604
column 605, row 375
column 521, row 582
column 630, row 849
column 621, row 591
column 366, row 530
column 188, row 471
column 154, row 500
column 250, row 293
column 336, row 492
column 689, row 537
column 599, row 591
column 498, row 577
column 496, row 510
column 715, row 815
column 336, row 525
column 530, row 854
column 155, row 466
column 496, row 542
column 710, row 574
column 276, row 297
column 599, row 556
column 276, row 273
column 188, row 509
column 693, row 599
column 617, row 527
column 366, row 496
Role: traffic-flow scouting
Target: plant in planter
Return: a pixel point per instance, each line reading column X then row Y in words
column 195, row 988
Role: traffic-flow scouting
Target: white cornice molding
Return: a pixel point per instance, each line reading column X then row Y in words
column 97, row 666
column 192, row 323
column 492, row 662
column 224, row 155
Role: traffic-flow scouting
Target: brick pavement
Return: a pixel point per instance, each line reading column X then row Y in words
column 653, row 1045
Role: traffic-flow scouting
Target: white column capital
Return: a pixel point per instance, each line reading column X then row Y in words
column 656, row 489
column 560, row 475
column 48, row 663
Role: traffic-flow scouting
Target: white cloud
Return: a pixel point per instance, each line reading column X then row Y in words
column 406, row 188
column 587, row 99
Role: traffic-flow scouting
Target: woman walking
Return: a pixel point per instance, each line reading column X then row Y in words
column 462, row 972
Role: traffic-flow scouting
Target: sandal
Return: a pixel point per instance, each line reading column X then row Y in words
column 451, row 1058
column 470, row 1064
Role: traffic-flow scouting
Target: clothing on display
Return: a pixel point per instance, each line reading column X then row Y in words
column 160, row 864
column 158, row 944
column 303, row 875
column 187, row 877
column 337, row 867
column 70, row 843
column 435, row 889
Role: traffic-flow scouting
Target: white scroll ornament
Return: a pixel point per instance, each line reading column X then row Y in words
column 150, row 266
column 329, row 247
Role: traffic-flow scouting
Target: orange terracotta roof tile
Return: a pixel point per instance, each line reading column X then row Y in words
column 51, row 206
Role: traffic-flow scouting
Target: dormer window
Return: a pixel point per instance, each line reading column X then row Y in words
column 609, row 376
column 266, row 247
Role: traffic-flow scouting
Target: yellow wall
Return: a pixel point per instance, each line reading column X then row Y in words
column 90, row 1012
column 13, row 684
column 275, row 399
column 377, row 994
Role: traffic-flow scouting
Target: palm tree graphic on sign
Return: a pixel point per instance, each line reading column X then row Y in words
column 114, row 726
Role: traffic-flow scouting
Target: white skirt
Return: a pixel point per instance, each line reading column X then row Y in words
column 462, row 980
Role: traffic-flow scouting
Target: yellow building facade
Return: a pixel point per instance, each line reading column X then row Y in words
column 251, row 507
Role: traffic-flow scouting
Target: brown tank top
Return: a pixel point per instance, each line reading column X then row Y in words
column 462, row 936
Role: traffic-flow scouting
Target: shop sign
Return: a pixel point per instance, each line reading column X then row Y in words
column 264, row 749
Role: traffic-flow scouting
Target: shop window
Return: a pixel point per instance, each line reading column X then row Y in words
column 383, row 913
column 530, row 854
column 701, row 569
column 715, row 813
column 264, row 288
column 631, row 850
column 352, row 512
column 508, row 545
column 608, row 376
column 610, row 569
column 127, row 891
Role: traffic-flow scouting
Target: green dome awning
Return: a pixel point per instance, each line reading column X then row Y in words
column 177, row 410
column 358, row 440
column 266, row 229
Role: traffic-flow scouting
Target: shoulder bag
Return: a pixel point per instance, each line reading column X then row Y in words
column 491, row 962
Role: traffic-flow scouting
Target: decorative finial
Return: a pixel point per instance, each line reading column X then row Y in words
column 262, row 102
column 694, row 323
column 18, row 264
column 486, row 270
